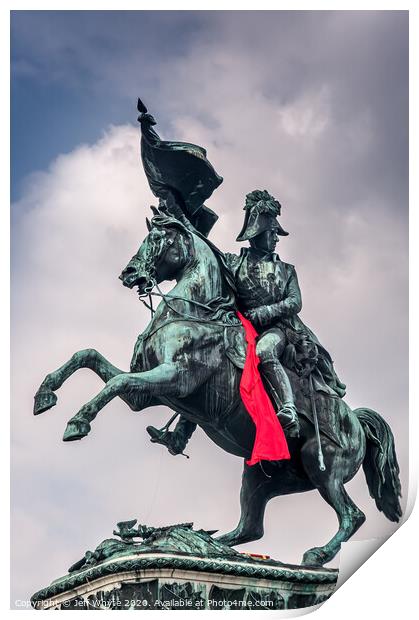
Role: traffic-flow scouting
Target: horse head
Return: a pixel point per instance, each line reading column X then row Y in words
column 164, row 253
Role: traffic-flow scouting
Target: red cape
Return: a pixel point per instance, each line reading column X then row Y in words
column 270, row 442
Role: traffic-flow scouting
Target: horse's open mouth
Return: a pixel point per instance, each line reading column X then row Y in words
column 130, row 278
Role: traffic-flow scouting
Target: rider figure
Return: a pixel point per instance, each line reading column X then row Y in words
column 268, row 295
column 267, row 291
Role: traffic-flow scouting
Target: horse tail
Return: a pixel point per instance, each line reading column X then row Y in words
column 380, row 463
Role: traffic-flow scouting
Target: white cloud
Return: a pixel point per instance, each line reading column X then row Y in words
column 306, row 118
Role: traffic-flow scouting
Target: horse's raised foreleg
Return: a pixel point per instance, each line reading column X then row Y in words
column 45, row 398
column 330, row 485
column 166, row 379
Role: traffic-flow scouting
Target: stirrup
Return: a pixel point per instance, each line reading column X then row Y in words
column 163, row 437
column 159, row 436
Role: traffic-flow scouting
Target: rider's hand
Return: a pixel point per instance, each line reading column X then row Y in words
column 263, row 315
column 250, row 315
column 258, row 316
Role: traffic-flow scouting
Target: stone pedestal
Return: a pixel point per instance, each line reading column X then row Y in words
column 163, row 581
column 150, row 576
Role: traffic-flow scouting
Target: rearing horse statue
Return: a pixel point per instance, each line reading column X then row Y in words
column 181, row 361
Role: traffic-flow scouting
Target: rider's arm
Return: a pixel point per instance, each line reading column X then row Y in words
column 290, row 305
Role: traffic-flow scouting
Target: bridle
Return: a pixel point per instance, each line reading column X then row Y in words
column 149, row 292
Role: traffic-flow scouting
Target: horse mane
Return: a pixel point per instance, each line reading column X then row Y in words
column 165, row 220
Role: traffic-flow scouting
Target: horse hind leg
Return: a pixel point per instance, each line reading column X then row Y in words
column 350, row 520
column 45, row 398
column 256, row 490
column 330, row 485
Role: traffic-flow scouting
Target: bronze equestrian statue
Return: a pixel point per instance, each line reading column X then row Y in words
column 268, row 294
column 191, row 355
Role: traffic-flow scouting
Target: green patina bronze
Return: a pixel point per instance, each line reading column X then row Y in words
column 191, row 355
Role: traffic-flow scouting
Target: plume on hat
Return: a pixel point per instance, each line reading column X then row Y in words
column 261, row 201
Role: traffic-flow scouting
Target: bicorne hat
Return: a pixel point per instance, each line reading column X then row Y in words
column 261, row 212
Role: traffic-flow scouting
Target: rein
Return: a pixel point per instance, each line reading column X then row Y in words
column 156, row 246
column 182, row 316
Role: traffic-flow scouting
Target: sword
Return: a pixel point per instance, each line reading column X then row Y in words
column 322, row 466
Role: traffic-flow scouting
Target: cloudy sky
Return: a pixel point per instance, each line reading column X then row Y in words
column 312, row 106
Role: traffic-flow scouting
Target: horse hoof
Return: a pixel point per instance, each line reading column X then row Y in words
column 313, row 557
column 76, row 429
column 44, row 400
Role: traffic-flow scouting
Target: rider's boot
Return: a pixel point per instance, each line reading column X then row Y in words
column 176, row 440
column 281, row 391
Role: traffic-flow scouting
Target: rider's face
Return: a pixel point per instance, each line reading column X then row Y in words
column 266, row 241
